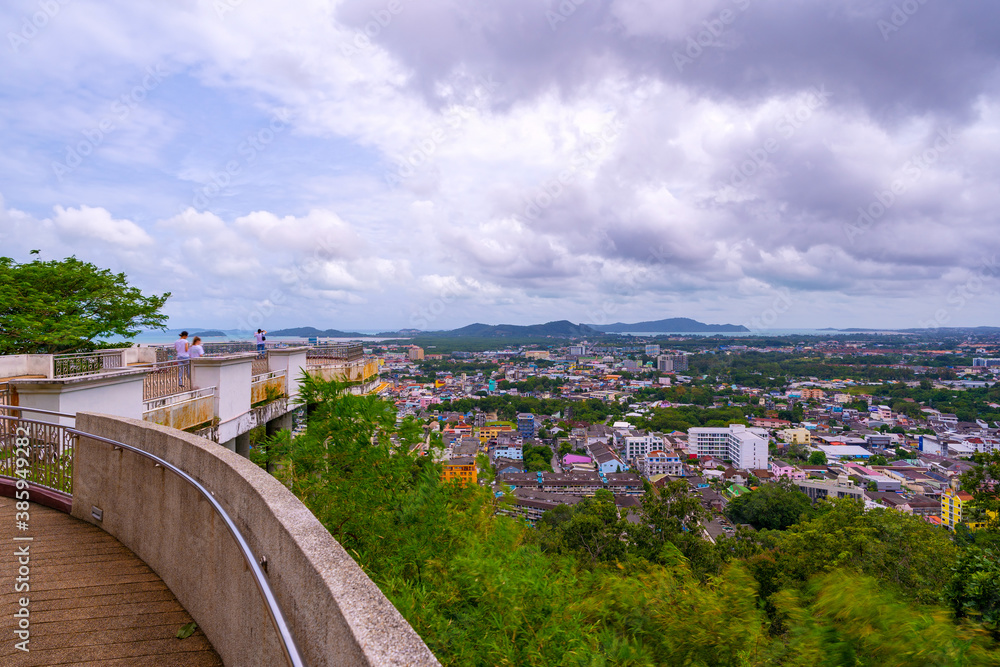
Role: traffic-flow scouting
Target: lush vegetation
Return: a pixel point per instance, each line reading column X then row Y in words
column 844, row 587
column 68, row 305
column 772, row 506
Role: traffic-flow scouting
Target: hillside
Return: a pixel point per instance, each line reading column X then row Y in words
column 671, row 325
column 306, row 332
column 558, row 329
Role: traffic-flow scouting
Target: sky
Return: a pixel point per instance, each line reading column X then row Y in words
column 385, row 164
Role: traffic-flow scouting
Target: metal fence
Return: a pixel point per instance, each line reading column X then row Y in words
column 4, row 393
column 167, row 352
column 260, row 366
column 344, row 351
column 166, row 378
column 86, row 363
column 38, row 452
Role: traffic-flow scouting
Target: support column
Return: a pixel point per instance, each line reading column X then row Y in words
column 279, row 423
column 229, row 444
column 243, row 445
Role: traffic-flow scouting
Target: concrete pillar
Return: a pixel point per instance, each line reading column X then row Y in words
column 230, row 444
column 243, row 445
column 279, row 423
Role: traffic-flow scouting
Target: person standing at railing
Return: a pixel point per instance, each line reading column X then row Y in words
column 197, row 349
column 183, row 349
column 260, row 338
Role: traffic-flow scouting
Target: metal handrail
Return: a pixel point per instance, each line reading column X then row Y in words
column 46, row 412
column 274, row 611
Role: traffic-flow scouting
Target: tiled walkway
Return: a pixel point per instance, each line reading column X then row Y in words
column 92, row 601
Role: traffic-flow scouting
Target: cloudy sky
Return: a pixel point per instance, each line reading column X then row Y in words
column 366, row 164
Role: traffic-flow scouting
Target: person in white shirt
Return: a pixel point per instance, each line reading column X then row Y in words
column 182, row 347
column 259, row 337
column 197, row 349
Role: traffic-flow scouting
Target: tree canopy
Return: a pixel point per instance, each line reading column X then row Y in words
column 65, row 305
column 772, row 506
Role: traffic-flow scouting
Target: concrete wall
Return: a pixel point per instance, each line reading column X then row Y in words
column 293, row 362
column 337, row 615
column 231, row 376
column 118, row 394
column 184, row 414
column 13, row 365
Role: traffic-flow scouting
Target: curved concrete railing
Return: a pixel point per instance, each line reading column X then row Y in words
column 335, row 612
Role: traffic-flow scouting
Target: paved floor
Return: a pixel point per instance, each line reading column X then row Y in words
column 92, row 601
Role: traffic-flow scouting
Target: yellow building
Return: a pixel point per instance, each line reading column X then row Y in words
column 488, row 432
column 415, row 353
column 537, row 354
column 795, row 436
column 953, row 504
column 813, row 393
column 462, row 468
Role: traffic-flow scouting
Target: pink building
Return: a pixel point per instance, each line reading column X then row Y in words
column 782, row 469
column 571, row 459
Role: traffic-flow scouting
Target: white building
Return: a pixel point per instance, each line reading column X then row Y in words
column 514, row 452
column 745, row 447
column 652, row 350
column 658, row 462
column 636, row 446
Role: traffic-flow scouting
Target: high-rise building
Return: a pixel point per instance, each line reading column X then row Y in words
column 666, row 363
column 416, row 353
column 652, row 350
column 985, row 363
column 745, row 447
column 526, row 425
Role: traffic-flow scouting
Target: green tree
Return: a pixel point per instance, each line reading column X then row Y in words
column 981, row 482
column 772, row 506
column 817, row 458
column 64, row 305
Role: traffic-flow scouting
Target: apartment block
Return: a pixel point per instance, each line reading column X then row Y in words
column 745, row 447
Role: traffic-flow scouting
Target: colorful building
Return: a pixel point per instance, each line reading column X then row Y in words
column 462, row 468
column 955, row 510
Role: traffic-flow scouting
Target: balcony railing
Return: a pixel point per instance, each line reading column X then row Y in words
column 37, row 452
column 167, row 352
column 166, row 378
column 4, row 393
column 86, row 363
column 260, row 366
column 344, row 351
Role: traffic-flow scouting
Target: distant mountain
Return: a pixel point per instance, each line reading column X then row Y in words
column 559, row 329
column 211, row 333
column 308, row 332
column 674, row 324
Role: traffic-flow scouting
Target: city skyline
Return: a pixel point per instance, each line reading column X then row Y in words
column 377, row 163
